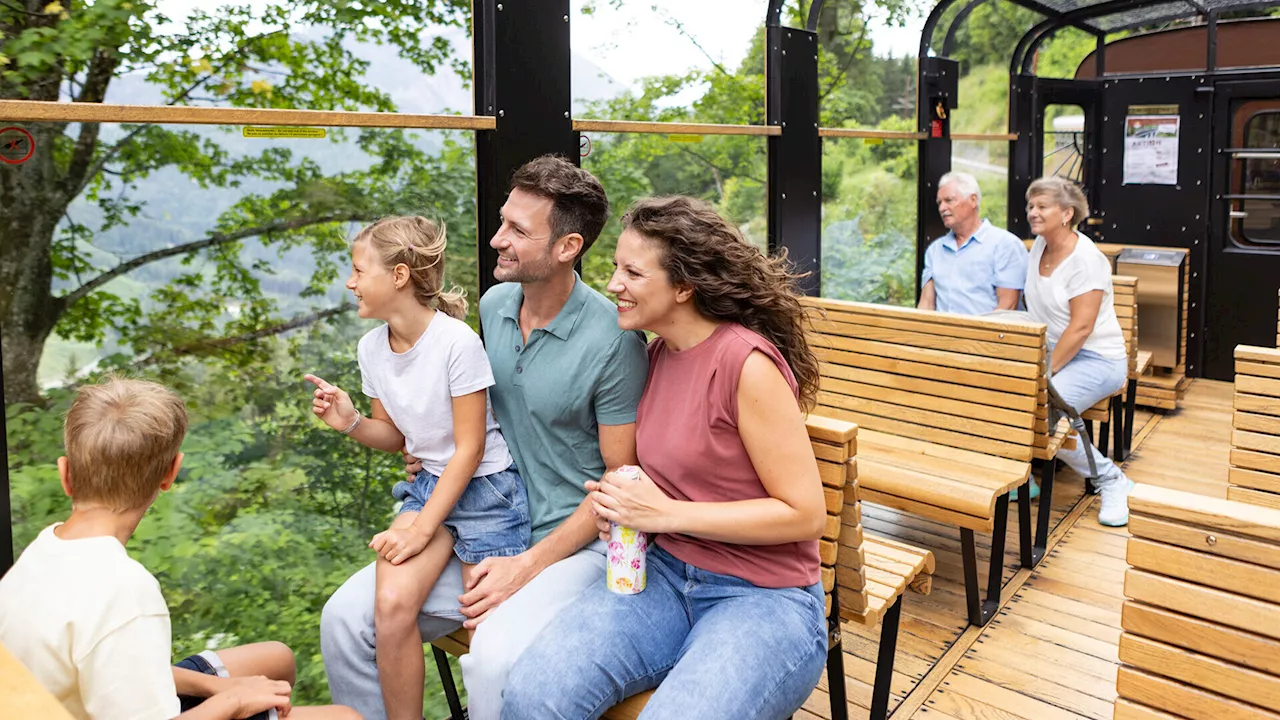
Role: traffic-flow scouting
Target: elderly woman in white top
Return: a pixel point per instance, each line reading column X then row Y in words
column 1069, row 289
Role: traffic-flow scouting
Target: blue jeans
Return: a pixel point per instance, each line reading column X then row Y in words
column 490, row 519
column 720, row 647
column 1084, row 381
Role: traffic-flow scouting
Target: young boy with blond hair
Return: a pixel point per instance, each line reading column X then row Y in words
column 90, row 622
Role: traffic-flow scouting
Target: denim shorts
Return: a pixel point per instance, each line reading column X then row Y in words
column 209, row 663
column 491, row 519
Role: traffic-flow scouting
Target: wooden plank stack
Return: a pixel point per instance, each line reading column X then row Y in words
column 1201, row 617
column 1254, row 476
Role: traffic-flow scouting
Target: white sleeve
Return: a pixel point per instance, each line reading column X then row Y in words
column 366, row 378
column 127, row 675
column 469, row 369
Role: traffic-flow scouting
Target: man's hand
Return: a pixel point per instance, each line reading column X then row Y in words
column 399, row 544
column 493, row 581
column 412, row 465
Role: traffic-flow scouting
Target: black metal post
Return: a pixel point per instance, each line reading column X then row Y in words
column 884, row 660
column 1130, row 401
column 1025, row 555
column 939, row 84
column 969, row 561
column 835, row 661
column 1047, row 474
column 795, row 156
column 1104, row 433
column 1100, row 55
column 521, row 56
column 1117, row 422
column 446, row 681
column 1022, row 150
column 1211, row 44
column 995, row 566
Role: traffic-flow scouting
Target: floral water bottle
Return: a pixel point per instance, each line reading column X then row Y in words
column 627, row 549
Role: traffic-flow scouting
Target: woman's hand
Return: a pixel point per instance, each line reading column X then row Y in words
column 399, row 544
column 332, row 404
column 636, row 504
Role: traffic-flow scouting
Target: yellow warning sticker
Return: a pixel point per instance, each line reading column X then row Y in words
column 282, row 132
column 872, row 141
column 686, row 138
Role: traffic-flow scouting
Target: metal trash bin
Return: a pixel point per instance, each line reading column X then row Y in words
column 1160, row 293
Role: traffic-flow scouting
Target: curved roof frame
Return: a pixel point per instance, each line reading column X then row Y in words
column 1096, row 18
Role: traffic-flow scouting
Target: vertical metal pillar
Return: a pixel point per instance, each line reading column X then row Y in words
column 521, row 58
column 1023, row 151
column 939, row 83
column 795, row 156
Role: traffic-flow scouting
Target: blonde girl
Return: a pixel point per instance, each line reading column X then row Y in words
column 427, row 375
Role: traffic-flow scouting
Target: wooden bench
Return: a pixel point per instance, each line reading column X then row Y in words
column 1254, row 476
column 22, row 696
column 1201, row 618
column 947, row 409
column 871, row 575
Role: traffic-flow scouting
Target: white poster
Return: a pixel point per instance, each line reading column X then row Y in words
column 1151, row 149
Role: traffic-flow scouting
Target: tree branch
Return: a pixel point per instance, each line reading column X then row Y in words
column 186, row 248
column 208, row 345
column 679, row 26
column 717, row 168
column 853, row 56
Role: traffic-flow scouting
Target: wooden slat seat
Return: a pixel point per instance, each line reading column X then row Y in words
column 864, row 577
column 948, row 408
column 1254, row 476
column 1202, row 616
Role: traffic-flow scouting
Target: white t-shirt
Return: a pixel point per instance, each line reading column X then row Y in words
column 1049, row 298
column 90, row 623
column 417, row 388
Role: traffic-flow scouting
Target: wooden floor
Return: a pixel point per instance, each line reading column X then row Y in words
column 1051, row 651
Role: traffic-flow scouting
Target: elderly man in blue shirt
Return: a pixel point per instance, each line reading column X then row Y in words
column 976, row 268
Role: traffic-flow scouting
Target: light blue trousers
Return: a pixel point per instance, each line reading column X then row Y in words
column 1084, row 381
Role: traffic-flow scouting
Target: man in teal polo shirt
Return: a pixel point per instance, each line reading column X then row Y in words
column 567, row 384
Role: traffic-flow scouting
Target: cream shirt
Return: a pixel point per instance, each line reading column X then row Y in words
column 90, row 623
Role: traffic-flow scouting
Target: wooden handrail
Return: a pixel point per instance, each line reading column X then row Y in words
column 673, row 128
column 873, row 134
column 44, row 111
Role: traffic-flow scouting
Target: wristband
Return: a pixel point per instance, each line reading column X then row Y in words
column 354, row 424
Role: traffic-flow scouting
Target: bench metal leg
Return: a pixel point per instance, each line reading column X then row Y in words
column 1104, row 436
column 1048, row 469
column 835, row 662
column 1130, row 403
column 1025, row 546
column 884, row 660
column 1117, row 421
column 446, row 681
column 981, row 611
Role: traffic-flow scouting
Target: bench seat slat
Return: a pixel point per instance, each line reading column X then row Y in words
column 1255, row 441
column 1213, row 513
column 964, row 361
column 1257, row 404
column 1254, row 616
column 932, row 371
column 1253, row 497
column 925, row 386
column 986, row 479
column 1251, row 385
column 1263, row 462
column 1011, row 450
column 1210, row 638
column 1254, row 422
column 1257, row 354
column 948, row 405
column 932, row 512
column 1266, row 482
column 1234, row 576
column 874, row 440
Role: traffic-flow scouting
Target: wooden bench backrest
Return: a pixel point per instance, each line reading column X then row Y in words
column 1125, row 298
column 1202, row 616
column 966, row 382
column 1254, row 476
column 835, row 445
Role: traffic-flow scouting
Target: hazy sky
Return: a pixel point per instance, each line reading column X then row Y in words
column 638, row 40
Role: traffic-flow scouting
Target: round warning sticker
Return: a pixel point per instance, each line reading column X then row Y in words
column 16, row 145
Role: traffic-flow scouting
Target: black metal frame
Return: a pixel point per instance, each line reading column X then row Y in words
column 982, row 610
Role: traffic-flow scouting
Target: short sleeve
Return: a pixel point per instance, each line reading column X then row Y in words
column 622, row 381
column 127, row 675
column 1084, row 276
column 366, row 380
column 927, row 274
column 1011, row 259
column 469, row 369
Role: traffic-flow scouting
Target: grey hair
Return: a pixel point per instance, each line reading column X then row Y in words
column 964, row 182
column 1063, row 192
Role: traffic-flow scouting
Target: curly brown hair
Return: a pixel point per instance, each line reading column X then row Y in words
column 731, row 279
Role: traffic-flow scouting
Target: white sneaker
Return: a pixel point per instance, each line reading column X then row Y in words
column 1114, row 509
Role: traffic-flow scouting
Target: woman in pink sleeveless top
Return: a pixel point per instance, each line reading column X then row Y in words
column 731, row 623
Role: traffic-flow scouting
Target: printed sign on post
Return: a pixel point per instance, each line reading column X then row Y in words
column 1151, row 149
